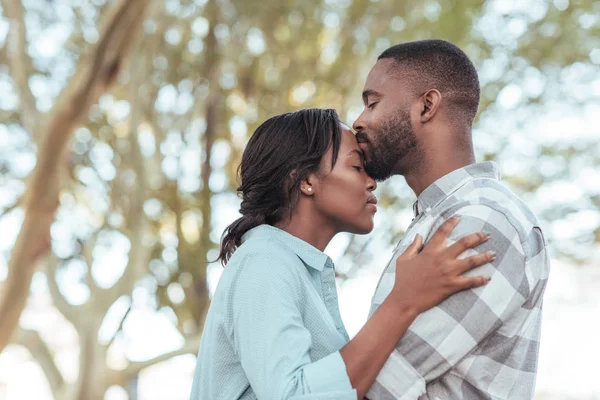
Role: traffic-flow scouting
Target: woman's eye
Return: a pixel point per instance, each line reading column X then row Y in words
column 359, row 169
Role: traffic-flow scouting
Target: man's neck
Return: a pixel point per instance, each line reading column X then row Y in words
column 437, row 165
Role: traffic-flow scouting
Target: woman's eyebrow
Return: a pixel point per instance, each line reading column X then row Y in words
column 361, row 155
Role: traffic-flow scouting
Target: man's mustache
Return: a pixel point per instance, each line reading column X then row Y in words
column 361, row 137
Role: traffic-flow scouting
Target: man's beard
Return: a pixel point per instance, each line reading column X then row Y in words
column 392, row 143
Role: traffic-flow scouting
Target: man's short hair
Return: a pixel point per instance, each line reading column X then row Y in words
column 438, row 64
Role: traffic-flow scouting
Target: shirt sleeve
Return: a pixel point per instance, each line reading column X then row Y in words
column 442, row 336
column 272, row 341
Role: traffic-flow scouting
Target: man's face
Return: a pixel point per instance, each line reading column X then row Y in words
column 384, row 128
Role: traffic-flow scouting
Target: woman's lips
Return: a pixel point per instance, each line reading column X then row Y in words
column 372, row 202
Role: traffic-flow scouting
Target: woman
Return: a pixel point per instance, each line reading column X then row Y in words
column 274, row 330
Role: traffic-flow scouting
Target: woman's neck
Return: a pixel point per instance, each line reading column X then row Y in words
column 314, row 232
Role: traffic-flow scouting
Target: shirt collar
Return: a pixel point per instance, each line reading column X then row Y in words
column 446, row 185
column 310, row 255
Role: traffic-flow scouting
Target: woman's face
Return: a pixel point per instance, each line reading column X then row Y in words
column 344, row 194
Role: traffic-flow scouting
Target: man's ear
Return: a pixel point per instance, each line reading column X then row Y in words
column 431, row 101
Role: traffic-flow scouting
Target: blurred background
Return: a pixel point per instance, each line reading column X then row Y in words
column 122, row 124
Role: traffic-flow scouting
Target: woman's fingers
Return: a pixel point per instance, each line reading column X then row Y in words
column 413, row 249
column 442, row 234
column 467, row 242
column 475, row 261
column 471, row 282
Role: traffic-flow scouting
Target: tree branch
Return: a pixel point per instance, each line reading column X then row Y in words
column 68, row 310
column 198, row 293
column 21, row 66
column 87, row 252
column 136, row 220
column 32, row 340
column 10, row 208
column 92, row 78
column 120, row 327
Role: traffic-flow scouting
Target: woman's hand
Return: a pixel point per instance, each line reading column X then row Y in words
column 425, row 278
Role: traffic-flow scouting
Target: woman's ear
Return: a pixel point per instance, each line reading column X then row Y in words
column 306, row 187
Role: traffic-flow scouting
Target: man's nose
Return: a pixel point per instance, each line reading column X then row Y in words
column 358, row 124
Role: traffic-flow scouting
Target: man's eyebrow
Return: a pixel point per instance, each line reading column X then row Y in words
column 369, row 92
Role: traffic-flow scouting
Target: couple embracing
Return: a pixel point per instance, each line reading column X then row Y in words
column 457, row 311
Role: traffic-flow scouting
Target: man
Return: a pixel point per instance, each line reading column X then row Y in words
column 420, row 102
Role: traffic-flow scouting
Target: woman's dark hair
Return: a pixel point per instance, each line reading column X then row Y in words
column 282, row 152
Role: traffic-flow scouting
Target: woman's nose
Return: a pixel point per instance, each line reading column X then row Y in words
column 371, row 184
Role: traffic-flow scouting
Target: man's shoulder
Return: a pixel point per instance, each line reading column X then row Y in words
column 495, row 195
column 481, row 196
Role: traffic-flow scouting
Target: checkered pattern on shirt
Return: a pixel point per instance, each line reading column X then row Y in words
column 481, row 343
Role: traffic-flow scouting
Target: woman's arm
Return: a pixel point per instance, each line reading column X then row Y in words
column 272, row 340
column 422, row 281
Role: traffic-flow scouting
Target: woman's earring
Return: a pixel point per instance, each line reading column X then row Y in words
column 309, row 189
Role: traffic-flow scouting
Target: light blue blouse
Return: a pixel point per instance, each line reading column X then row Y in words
column 273, row 330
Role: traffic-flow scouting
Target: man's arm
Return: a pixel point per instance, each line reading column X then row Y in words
column 441, row 337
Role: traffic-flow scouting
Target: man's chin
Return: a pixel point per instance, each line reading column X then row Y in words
column 377, row 172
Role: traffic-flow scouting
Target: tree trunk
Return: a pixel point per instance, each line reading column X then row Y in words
column 92, row 78
column 92, row 381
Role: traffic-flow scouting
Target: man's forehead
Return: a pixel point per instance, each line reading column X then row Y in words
column 380, row 75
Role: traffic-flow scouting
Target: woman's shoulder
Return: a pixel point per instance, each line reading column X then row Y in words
column 267, row 255
column 261, row 261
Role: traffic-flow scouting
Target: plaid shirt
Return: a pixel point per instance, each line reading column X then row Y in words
column 481, row 343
